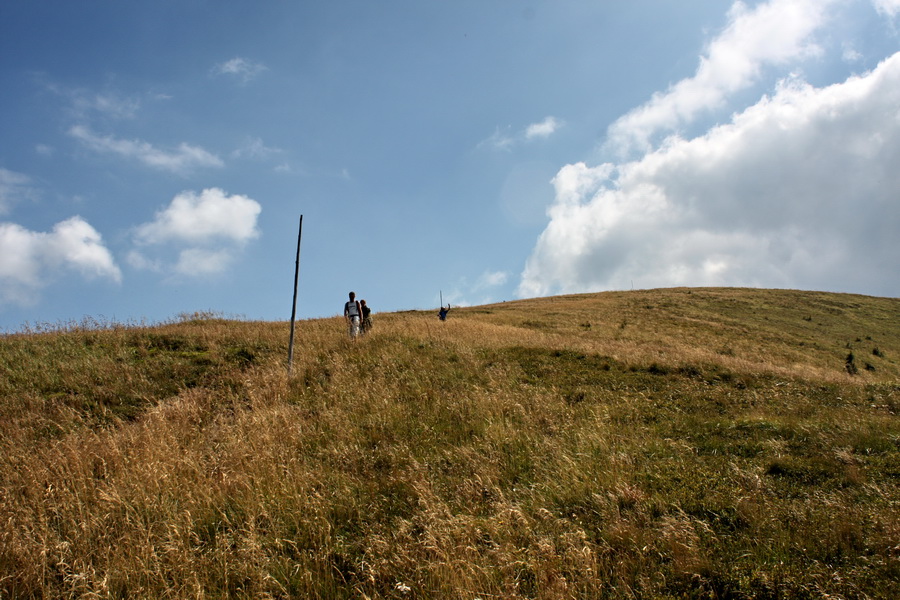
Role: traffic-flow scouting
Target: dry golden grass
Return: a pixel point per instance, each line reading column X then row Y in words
column 669, row 443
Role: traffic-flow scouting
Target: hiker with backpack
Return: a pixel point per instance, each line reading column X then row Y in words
column 353, row 313
column 366, row 326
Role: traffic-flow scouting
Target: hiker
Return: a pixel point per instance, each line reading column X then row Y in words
column 352, row 313
column 442, row 314
column 366, row 326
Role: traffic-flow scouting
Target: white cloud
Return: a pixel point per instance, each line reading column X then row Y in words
column 30, row 260
column 799, row 190
column 544, row 129
column 184, row 159
column 208, row 216
column 13, row 188
column 74, row 242
column 206, row 227
column 887, row 7
column 243, row 69
column 774, row 32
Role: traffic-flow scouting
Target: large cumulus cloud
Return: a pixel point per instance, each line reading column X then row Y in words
column 799, row 190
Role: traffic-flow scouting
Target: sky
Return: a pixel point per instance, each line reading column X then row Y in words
column 156, row 157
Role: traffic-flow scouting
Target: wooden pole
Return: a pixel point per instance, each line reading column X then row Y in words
column 294, row 307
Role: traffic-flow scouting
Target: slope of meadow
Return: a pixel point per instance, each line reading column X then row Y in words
column 700, row 443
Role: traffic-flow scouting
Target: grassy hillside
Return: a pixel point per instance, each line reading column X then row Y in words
column 699, row 443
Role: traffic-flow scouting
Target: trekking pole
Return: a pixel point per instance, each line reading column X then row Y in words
column 294, row 308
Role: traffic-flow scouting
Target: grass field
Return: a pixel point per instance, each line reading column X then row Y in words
column 680, row 443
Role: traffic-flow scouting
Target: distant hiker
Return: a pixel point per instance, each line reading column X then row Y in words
column 366, row 326
column 353, row 312
column 442, row 314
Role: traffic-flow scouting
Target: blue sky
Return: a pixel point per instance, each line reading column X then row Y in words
column 155, row 157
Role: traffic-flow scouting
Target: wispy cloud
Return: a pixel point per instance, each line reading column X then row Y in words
column 490, row 279
column 481, row 291
column 241, row 68
column 203, row 261
column 30, row 260
column 14, row 187
column 254, row 148
column 499, row 140
column 205, row 229
column 183, row 159
column 774, row 32
column 506, row 140
column 85, row 103
column 189, row 262
column 107, row 104
column 887, row 7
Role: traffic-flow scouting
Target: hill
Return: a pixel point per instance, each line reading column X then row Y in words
column 704, row 443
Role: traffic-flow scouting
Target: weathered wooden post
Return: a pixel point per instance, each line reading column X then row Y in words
column 294, row 307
